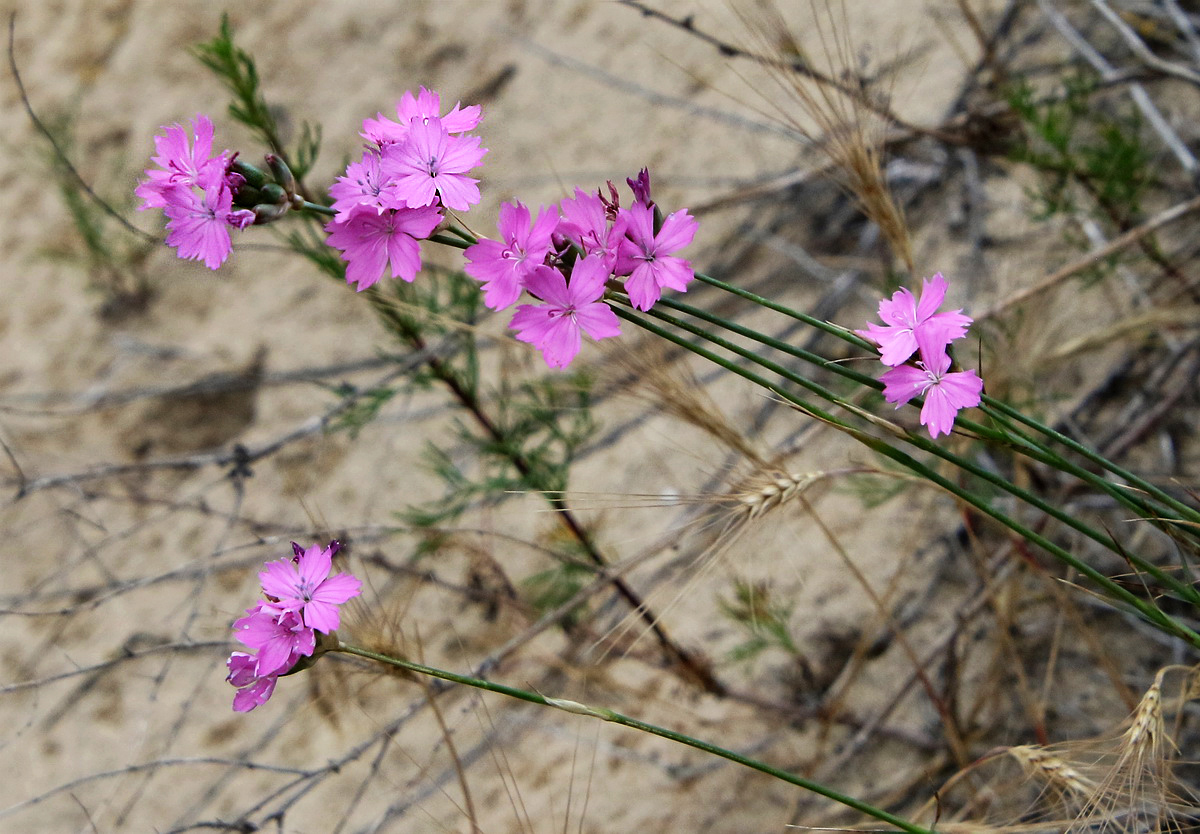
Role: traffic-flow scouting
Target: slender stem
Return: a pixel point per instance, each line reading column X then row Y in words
column 662, row 732
column 695, row 666
column 317, row 208
column 998, row 406
column 1151, row 613
column 1018, row 439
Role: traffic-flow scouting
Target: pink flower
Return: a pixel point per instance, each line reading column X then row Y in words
column 648, row 259
column 945, row 393
column 360, row 185
column 585, row 224
column 279, row 636
column 198, row 224
column 253, row 689
column 303, row 584
column 431, row 163
column 503, row 267
column 910, row 325
column 370, row 241
column 641, row 187
column 425, row 105
column 570, row 309
column 182, row 162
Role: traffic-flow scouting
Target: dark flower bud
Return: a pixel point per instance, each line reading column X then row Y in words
column 252, row 175
column 282, row 174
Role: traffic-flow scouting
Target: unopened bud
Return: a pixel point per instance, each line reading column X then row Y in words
column 282, row 174
column 272, row 193
column 254, row 176
column 269, row 212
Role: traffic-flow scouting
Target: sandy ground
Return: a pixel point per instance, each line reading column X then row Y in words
column 160, row 562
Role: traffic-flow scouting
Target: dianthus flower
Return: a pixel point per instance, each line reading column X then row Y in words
column 198, row 224
column 425, row 105
column 945, row 393
column 303, row 584
column 181, row 162
column 503, row 267
column 302, row 599
column 648, row 259
column 371, row 240
column 195, row 190
column 910, row 324
column 430, row 164
column 360, row 185
column 569, row 309
column 585, row 224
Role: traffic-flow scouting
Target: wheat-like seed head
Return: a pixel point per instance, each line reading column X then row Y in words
column 765, row 492
column 1041, row 763
column 842, row 105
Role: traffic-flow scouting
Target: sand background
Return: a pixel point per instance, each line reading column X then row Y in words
column 160, row 562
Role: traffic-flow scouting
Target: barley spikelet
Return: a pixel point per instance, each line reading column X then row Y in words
column 1039, row 762
column 758, row 495
column 1142, row 743
column 841, row 104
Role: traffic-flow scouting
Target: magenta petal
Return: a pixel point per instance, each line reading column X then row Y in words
column 280, row 579
column 321, row 616
column 903, row 383
column 562, row 343
column 337, row 589
column 678, row 230
column 598, row 321
column 643, row 290
column 933, row 293
column 255, row 695
column 314, row 565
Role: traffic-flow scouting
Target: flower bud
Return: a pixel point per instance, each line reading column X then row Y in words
column 282, row 174
column 274, row 194
column 269, row 212
column 254, row 176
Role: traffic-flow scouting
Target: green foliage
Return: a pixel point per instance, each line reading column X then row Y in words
column 365, row 408
column 1074, row 140
column 235, row 67
column 549, row 589
column 764, row 620
column 113, row 260
column 873, row 490
column 539, row 427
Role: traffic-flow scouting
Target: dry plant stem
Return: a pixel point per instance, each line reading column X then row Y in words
column 1114, row 246
column 954, row 738
column 796, row 66
column 1139, row 48
column 1114, row 590
column 239, row 457
column 695, row 668
column 58, row 151
column 448, row 738
column 603, row 714
column 1140, row 97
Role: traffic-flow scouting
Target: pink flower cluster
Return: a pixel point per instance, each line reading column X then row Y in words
column 301, row 599
column 394, row 195
column 565, row 257
column 912, row 326
column 195, row 190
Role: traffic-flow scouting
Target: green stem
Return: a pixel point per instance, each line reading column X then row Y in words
column 848, row 336
column 1151, row 613
column 1019, row 439
column 317, row 208
column 662, row 732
